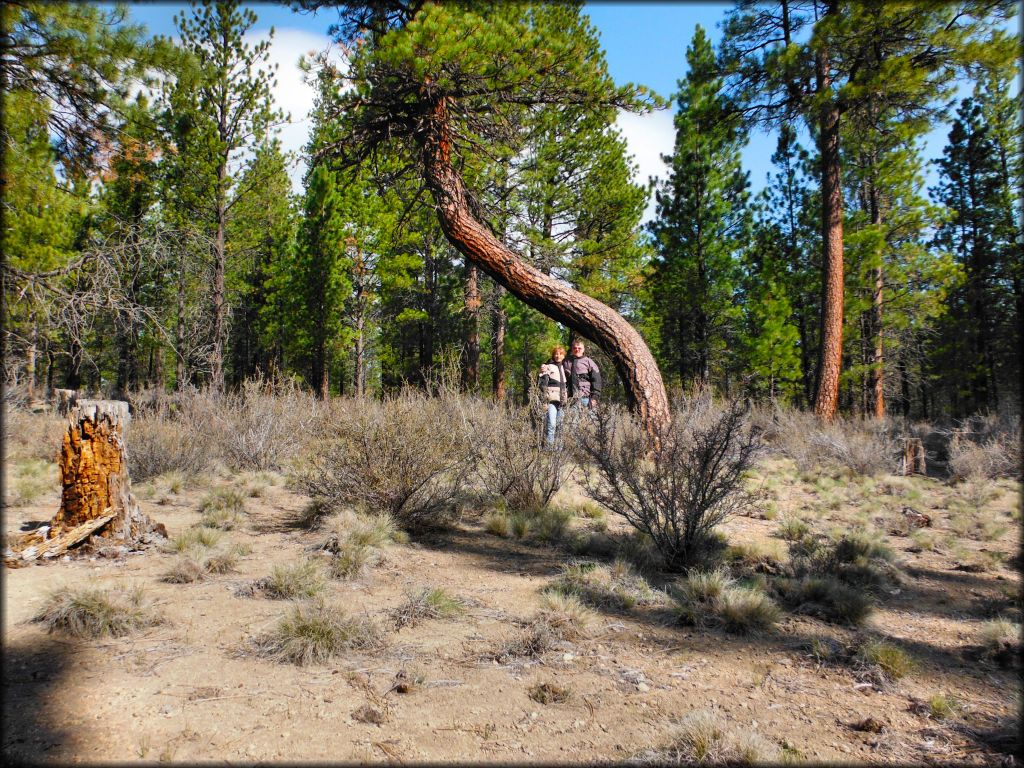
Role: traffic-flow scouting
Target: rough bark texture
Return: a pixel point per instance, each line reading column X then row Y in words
column 498, row 347
column 96, row 497
column 914, row 457
column 581, row 313
column 826, row 398
column 471, row 368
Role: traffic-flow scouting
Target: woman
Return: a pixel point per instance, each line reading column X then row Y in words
column 552, row 384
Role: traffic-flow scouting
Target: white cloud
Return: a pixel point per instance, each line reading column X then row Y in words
column 292, row 94
column 648, row 137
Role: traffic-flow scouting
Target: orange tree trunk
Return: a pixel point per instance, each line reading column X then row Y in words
column 826, row 398
column 555, row 299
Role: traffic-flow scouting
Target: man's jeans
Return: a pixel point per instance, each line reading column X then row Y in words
column 552, row 420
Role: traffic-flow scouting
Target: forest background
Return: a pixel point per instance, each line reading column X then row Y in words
column 167, row 224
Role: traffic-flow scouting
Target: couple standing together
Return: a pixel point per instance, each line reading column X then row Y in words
column 563, row 379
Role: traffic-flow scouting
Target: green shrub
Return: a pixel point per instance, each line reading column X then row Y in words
column 793, row 529
column 496, row 522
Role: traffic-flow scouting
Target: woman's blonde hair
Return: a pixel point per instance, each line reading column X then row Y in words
column 556, row 350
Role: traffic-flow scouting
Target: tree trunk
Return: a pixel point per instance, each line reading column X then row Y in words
column 219, row 307
column 830, row 359
column 500, row 324
column 581, row 313
column 96, row 497
column 180, row 374
column 30, row 357
column 471, row 370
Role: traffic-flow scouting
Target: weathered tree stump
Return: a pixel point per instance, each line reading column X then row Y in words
column 96, row 497
column 66, row 399
column 913, row 457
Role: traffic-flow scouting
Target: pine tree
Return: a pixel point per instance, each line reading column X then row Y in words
column 261, row 233
column 982, row 349
column 441, row 84
column 828, row 61
column 218, row 108
column 702, row 223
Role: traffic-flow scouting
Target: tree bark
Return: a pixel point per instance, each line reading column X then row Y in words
column 826, row 397
column 500, row 324
column 96, row 497
column 219, row 267
column 471, row 370
column 581, row 313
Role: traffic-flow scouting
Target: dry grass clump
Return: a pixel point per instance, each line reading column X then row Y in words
column 27, row 480
column 291, row 582
column 704, row 737
column 566, row 615
column 858, row 558
column 407, row 455
column 222, row 508
column 191, row 538
column 429, row 603
column 532, row 641
column 943, row 707
column 883, row 661
column 793, row 529
column 712, row 599
column 356, row 545
column 196, row 564
column 1000, row 639
column 760, row 556
column 678, row 486
column 313, row 633
column 89, row 612
column 546, row 523
column 549, row 693
column 618, row 587
column 825, row 597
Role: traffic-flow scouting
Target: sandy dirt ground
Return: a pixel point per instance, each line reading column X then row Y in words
column 188, row 691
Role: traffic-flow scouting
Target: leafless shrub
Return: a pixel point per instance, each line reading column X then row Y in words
column 986, row 447
column 515, row 462
column 31, row 435
column 863, row 446
column 679, row 487
column 261, row 426
column 407, row 456
column 159, row 441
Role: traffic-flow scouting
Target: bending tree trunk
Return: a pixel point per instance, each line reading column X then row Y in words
column 581, row 313
column 96, row 496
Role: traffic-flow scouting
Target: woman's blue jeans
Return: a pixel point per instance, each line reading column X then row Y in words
column 553, row 419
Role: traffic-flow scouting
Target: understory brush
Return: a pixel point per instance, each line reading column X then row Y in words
column 860, row 446
column 986, row 447
column 515, row 462
column 31, row 436
column 406, row 455
column 677, row 486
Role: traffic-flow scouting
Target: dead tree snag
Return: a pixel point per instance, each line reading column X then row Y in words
column 96, row 497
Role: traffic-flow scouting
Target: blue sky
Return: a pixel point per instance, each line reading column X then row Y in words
column 645, row 43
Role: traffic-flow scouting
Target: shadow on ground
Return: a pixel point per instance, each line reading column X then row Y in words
column 34, row 677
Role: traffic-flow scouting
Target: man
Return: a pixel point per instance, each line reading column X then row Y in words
column 583, row 376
